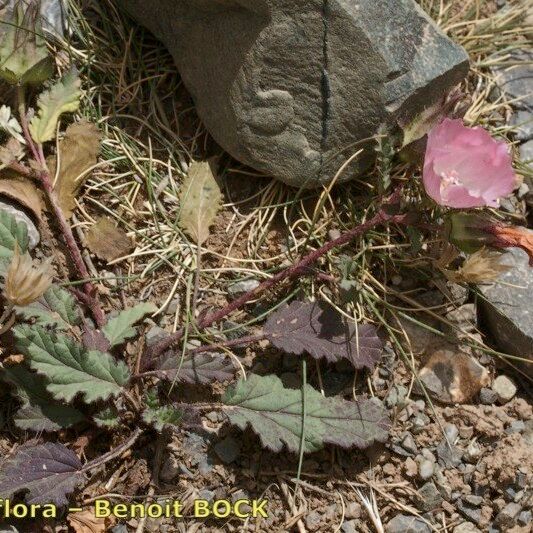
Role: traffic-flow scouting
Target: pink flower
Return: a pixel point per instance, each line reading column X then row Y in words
column 466, row 167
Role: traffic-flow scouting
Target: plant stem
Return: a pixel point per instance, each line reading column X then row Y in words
column 297, row 270
column 47, row 184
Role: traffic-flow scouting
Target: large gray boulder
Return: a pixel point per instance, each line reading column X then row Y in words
column 290, row 87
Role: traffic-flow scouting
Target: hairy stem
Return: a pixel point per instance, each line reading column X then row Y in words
column 47, row 184
column 297, row 270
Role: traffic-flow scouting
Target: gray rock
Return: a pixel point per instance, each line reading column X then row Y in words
column 516, row 426
column 53, row 12
column 207, row 495
column 20, row 216
column 516, row 80
column 407, row 524
column 350, row 526
column 228, row 450
column 452, row 432
column 504, row 388
column 426, row 469
column 429, row 497
column 243, row 286
column 290, row 87
column 448, row 456
column 473, row 451
column 522, row 121
column 396, row 396
column 466, row 527
column 408, row 444
column 507, row 516
column 488, row 396
column 525, row 518
column 526, row 153
column 312, row 520
column 505, row 309
column 469, row 511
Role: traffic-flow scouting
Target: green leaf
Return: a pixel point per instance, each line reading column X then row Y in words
column 70, row 368
column 62, row 97
column 276, row 415
column 56, row 308
column 107, row 418
column 200, row 201
column 12, row 232
column 39, row 411
column 24, row 55
column 120, row 328
column 158, row 416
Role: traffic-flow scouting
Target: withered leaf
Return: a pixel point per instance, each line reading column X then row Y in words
column 107, row 241
column 48, row 473
column 200, row 369
column 78, row 152
column 200, row 201
column 24, row 192
column 322, row 332
column 87, row 522
column 10, row 151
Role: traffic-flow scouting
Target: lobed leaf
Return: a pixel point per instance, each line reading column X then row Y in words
column 158, row 416
column 69, row 367
column 57, row 308
column 200, row 201
column 48, row 473
column 276, row 415
column 323, row 332
column 200, row 369
column 107, row 418
column 12, row 232
column 120, row 328
column 63, row 97
column 39, row 411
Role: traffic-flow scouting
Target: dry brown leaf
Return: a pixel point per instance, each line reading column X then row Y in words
column 24, row 192
column 107, row 241
column 200, row 201
column 78, row 152
column 86, row 522
column 14, row 359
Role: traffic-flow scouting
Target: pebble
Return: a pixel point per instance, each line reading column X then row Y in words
column 207, row 495
column 488, row 396
column 516, row 426
column 452, row 432
column 396, row 396
column 470, row 512
column 525, row 518
column 402, row 523
column 473, row 452
column 448, row 457
column 312, row 520
column 430, row 497
column 410, row 468
column 228, row 450
column 353, row 510
column 243, row 286
column 504, row 387
column 409, row 444
column 426, row 469
column 507, row 516
column 420, row 422
column 466, row 527
column 350, row 526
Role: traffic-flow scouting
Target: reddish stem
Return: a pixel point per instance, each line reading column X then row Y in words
column 299, row 269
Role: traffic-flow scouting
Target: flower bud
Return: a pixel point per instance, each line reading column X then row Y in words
column 26, row 283
column 24, row 56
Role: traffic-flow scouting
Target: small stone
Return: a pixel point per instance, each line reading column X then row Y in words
column 429, row 497
column 241, row 287
column 313, row 520
column 407, row 524
column 207, row 495
column 410, row 468
column 522, row 121
column 353, row 510
column 473, row 452
column 516, row 426
column 426, row 469
column 452, row 377
column 475, row 501
column 396, row 396
column 429, row 455
column 172, row 307
column 507, row 516
column 452, row 432
column 228, row 450
column 350, row 526
column 448, row 456
column 154, row 335
column 420, row 422
column 488, row 396
column 470, row 512
column 466, row 432
column 504, row 388
column 526, row 153
column 466, row 527
column 525, row 518
column 409, row 444
column 463, row 317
